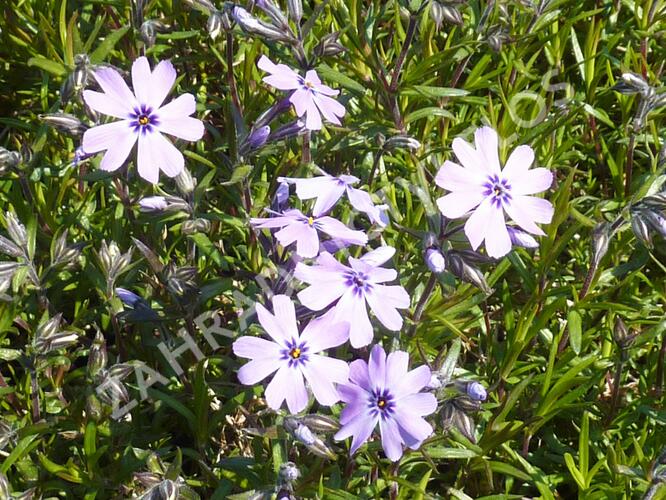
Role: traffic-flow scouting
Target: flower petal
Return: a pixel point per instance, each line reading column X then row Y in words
column 358, row 373
column 105, row 104
column 378, row 256
column 282, row 76
column 412, row 382
column 321, row 294
column 322, row 333
column 356, row 399
column 391, row 439
column 377, row 367
column 181, row 106
column 161, row 82
column 385, row 312
column 301, row 99
column 312, row 116
column 487, row 146
column 185, row 127
column 336, row 229
column 522, row 218
column 470, row 158
column 117, row 138
column 518, row 163
column 477, row 225
column 277, row 389
column 532, row 181
column 498, row 242
column 352, row 306
column 455, row 205
column 142, row 80
column 361, row 426
column 305, row 236
column 157, row 153
column 421, row 404
column 453, row 177
column 541, row 210
column 330, row 108
column 297, row 395
column 321, row 373
column 257, row 370
column 255, row 347
column 397, row 364
column 115, row 87
column 413, row 429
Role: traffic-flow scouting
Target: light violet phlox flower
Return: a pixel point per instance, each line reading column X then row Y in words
column 299, row 228
column 355, row 286
column 309, row 97
column 482, row 186
column 142, row 119
column 293, row 356
column 383, row 391
column 328, row 189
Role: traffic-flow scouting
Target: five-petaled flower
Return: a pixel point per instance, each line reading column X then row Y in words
column 383, row 391
column 142, row 118
column 480, row 185
column 309, row 97
column 328, row 189
column 362, row 282
column 299, row 228
column 293, row 356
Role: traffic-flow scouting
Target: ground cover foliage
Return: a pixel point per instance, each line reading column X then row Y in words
column 569, row 338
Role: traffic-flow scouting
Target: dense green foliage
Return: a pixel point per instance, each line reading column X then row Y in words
column 571, row 341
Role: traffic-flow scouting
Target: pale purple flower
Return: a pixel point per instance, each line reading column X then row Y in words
column 299, row 228
column 142, row 119
column 521, row 238
column 383, row 391
column 309, row 97
column 354, row 287
column 293, row 356
column 328, row 189
column 480, row 185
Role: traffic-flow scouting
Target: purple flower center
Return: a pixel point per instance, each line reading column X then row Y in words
column 498, row 189
column 381, row 402
column 295, row 354
column 143, row 119
column 358, row 281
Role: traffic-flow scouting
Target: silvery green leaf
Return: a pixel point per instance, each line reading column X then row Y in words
column 9, row 248
column 150, row 256
column 17, row 231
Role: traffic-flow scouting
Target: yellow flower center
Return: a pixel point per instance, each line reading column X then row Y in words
column 310, row 220
column 144, row 120
column 295, row 353
column 381, row 402
column 309, row 85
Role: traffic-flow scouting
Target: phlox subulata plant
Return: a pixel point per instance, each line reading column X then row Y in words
column 332, row 249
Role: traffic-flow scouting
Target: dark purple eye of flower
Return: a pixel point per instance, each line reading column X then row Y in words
column 295, row 354
column 382, row 401
column 143, row 119
column 498, row 189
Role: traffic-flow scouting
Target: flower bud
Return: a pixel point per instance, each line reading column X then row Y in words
column 98, row 358
column 632, row 83
column 521, row 238
column 402, row 142
column 128, row 298
column 476, row 391
column 65, row 122
column 295, row 8
column 271, row 113
column 435, row 260
column 17, row 231
column 656, row 221
column 288, row 473
column 168, row 490
column 254, row 26
column 153, row 204
column 320, row 423
column 451, row 15
column 195, row 226
column 185, row 182
column 9, row 159
column 94, row 408
column 329, row 45
column 215, row 23
column 641, row 230
column 274, row 12
column 468, row 273
column 288, row 131
column 255, row 139
column 303, row 434
column 437, row 14
column 601, row 235
column 148, row 34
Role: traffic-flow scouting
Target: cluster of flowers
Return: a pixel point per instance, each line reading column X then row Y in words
column 380, row 391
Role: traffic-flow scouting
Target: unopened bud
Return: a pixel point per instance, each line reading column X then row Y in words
column 295, row 8
column 320, row 423
column 476, row 391
column 185, row 182
column 288, row 131
column 402, row 142
column 277, row 16
column 98, row 357
column 329, row 45
column 255, row 139
column 288, row 473
column 195, row 226
column 641, row 230
column 601, row 236
column 435, row 260
column 451, row 15
column 468, row 273
column 9, row 159
column 214, row 25
column 65, row 122
column 521, row 238
column 254, row 26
